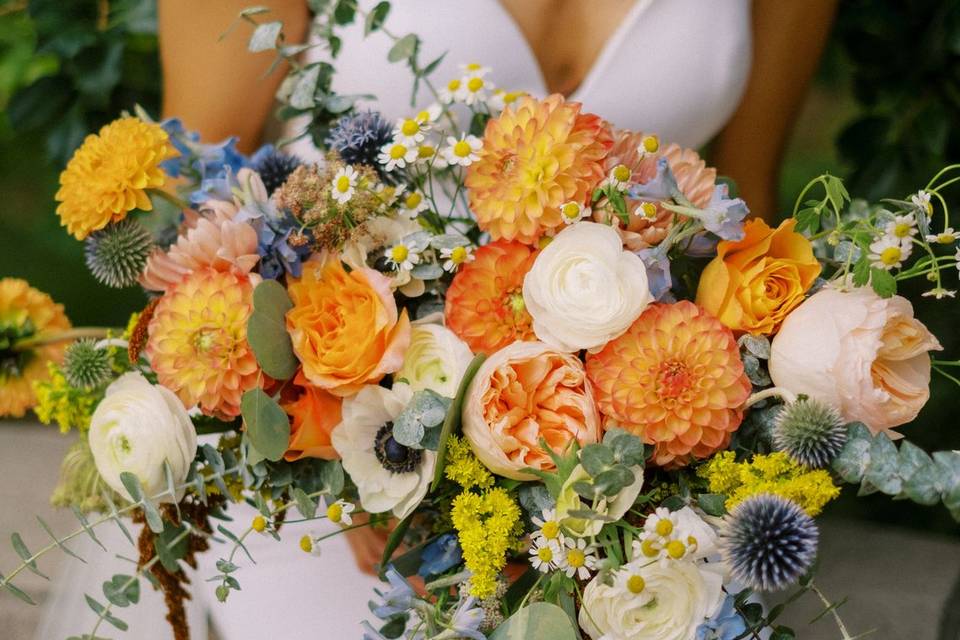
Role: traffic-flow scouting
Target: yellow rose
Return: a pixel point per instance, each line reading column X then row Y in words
column 754, row 283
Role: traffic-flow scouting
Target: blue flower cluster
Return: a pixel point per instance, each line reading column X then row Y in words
column 213, row 166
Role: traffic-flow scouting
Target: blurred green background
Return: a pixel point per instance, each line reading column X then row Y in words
column 882, row 113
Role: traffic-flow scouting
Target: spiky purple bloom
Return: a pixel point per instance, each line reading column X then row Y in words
column 273, row 166
column 357, row 138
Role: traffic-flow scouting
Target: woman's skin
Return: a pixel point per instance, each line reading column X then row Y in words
column 219, row 89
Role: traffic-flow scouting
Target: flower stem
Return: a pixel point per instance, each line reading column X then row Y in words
column 63, row 336
column 773, row 392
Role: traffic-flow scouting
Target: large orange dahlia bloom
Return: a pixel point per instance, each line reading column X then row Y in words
column 485, row 305
column 24, row 313
column 536, row 156
column 675, row 379
column 198, row 341
column 108, row 176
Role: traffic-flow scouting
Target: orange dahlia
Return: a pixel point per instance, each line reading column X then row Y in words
column 485, row 300
column 198, row 341
column 108, row 176
column 695, row 180
column 536, row 156
column 675, row 379
column 25, row 313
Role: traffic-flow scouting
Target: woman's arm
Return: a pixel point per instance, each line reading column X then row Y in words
column 788, row 39
column 217, row 87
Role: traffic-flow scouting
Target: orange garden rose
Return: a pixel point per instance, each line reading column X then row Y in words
column 754, row 283
column 485, row 300
column 675, row 379
column 536, row 156
column 523, row 393
column 315, row 412
column 345, row 327
column 198, row 341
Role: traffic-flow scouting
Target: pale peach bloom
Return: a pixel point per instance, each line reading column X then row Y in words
column 865, row 355
column 523, row 393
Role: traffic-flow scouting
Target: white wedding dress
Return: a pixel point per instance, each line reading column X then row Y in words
column 674, row 67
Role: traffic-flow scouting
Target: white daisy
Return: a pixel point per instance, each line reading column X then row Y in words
column 646, row 210
column 410, row 131
column 629, row 581
column 572, row 212
column 455, row 257
column 889, row 253
column 429, row 115
column 500, row 99
column 675, row 535
column 649, row 144
column 474, row 69
column 339, row 512
column 403, row 256
column 452, row 92
column 544, row 555
column 940, row 293
column 427, row 154
column 388, row 193
column 578, row 559
column 344, row 182
column 921, row 200
column 464, row 151
column 310, row 543
column 619, row 177
column 396, row 154
column 413, row 204
column 902, row 227
column 548, row 526
column 947, row 236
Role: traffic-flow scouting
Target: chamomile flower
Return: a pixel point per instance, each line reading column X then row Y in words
column 396, row 155
column 572, row 212
column 628, row 581
column 452, row 91
column 921, row 200
column 410, row 131
column 344, row 183
column 902, row 227
column 388, row 194
column 544, row 555
column 939, row 293
column 455, row 257
column 474, row 69
column 499, row 98
column 947, row 236
column 412, row 204
column 464, row 151
column 673, row 535
column 429, row 115
column 649, row 144
column 339, row 512
column 619, row 177
column 427, row 154
column 646, row 210
column 403, row 256
column 578, row 558
column 889, row 253
column 476, row 89
column 548, row 526
column 310, row 543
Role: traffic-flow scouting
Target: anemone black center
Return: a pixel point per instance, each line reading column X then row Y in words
column 395, row 457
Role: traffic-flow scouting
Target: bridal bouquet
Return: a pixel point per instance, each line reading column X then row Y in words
column 582, row 391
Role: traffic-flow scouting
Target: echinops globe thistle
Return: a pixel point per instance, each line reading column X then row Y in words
column 769, row 542
column 809, row 431
column 85, row 366
column 117, row 255
column 358, row 138
column 273, row 166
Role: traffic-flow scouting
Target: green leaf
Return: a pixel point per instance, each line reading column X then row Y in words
column 102, row 612
column 538, row 621
column 25, row 555
column 404, row 48
column 836, row 192
column 452, row 421
column 305, row 504
column 304, row 89
column 169, row 553
column 345, row 12
column 376, row 18
column 883, row 282
column 596, row 458
column 807, row 220
column 854, row 458
column 132, row 485
column 122, row 590
column 432, row 66
column 861, row 270
column 267, row 330
column 882, row 472
column 15, row 591
column 264, row 37
column 152, row 515
column 919, row 473
column 393, row 542
column 267, row 424
column 713, row 504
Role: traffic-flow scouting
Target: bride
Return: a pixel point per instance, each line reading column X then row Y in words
column 693, row 71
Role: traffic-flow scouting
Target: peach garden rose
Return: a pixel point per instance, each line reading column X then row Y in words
column 523, row 393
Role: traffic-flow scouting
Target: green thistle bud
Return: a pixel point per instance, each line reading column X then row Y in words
column 809, row 431
column 117, row 254
column 85, row 366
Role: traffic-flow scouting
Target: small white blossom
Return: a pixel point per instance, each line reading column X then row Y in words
column 310, row 543
column 412, row 204
column 544, row 555
column 403, row 256
column 902, row 227
column 410, row 131
column 571, row 212
column 455, row 257
column 344, row 183
column 396, row 155
column 939, row 293
column 947, row 236
column 921, row 200
column 339, row 512
column 889, row 253
column 578, row 558
column 649, row 144
column 619, row 177
column 452, row 92
column 464, row 151
column 548, row 526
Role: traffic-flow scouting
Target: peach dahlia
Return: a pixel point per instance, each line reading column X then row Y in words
column 198, row 341
column 675, row 379
column 536, row 156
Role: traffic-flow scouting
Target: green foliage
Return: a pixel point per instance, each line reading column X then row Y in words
column 452, row 422
column 89, row 61
column 610, row 464
column 538, row 621
column 267, row 330
column 419, row 424
column 268, row 427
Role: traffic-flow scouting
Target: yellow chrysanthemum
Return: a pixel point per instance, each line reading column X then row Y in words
column 26, row 312
column 108, row 176
column 198, row 341
column 536, row 156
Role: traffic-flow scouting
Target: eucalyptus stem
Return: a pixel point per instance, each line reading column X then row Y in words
column 833, row 610
column 62, row 336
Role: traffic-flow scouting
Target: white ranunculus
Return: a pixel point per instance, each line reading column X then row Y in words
column 668, row 601
column 436, row 359
column 135, row 428
column 584, row 289
column 863, row 354
column 355, row 439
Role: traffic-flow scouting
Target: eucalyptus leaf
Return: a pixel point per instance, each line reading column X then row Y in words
column 882, row 472
column 264, row 37
column 376, row 17
column 404, row 49
column 427, row 271
column 852, row 461
column 305, row 504
column 267, row 424
column 537, row 621
column 713, row 504
column 122, row 590
column 596, row 458
column 758, row 346
column 267, row 330
column 302, row 96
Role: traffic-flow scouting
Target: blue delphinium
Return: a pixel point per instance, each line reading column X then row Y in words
column 467, row 620
column 440, row 555
column 212, row 166
column 657, row 263
column 726, row 624
column 274, row 227
column 396, row 606
column 357, row 138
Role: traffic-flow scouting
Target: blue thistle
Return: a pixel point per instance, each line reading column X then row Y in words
column 809, row 431
column 117, row 254
column 85, row 366
column 273, row 166
column 357, row 138
column 769, row 542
